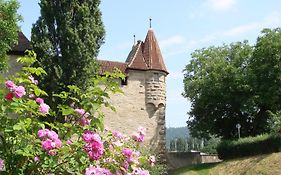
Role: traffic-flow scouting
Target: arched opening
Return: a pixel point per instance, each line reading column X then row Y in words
column 151, row 109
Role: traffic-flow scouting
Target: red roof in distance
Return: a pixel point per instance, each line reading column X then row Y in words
column 22, row 46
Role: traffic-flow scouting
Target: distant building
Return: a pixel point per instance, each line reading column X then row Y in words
column 144, row 100
column 17, row 51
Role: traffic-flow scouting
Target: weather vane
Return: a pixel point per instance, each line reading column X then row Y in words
column 150, row 22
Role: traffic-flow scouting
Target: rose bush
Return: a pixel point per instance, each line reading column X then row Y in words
column 31, row 145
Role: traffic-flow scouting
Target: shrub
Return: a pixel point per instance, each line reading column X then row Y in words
column 249, row 146
column 29, row 144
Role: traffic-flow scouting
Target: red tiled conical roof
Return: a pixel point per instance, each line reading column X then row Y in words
column 136, row 59
column 147, row 55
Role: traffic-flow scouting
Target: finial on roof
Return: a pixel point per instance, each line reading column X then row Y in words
column 134, row 39
column 150, row 22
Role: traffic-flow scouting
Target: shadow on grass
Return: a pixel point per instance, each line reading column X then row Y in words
column 202, row 169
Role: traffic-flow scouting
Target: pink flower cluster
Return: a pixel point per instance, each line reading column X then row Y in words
column 94, row 145
column 132, row 156
column 97, row 171
column 43, row 108
column 84, row 117
column 18, row 91
column 31, row 78
column 2, row 164
column 50, row 141
column 139, row 135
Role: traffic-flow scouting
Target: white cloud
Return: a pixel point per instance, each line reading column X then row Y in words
column 272, row 20
column 174, row 40
column 242, row 29
column 221, row 5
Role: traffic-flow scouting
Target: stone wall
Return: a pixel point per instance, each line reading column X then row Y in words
column 14, row 66
column 177, row 160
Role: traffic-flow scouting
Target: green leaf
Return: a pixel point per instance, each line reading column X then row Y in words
column 37, row 92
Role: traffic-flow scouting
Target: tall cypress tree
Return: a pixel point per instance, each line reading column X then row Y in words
column 67, row 37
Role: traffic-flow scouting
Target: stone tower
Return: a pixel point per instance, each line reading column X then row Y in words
column 144, row 100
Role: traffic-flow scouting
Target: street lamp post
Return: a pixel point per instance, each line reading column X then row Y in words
column 238, row 126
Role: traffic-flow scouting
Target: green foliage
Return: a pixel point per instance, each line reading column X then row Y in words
column 8, row 29
column 275, row 122
column 232, row 84
column 67, row 37
column 249, row 146
column 24, row 151
column 210, row 145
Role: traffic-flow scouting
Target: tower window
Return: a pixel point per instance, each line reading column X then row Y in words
column 156, row 77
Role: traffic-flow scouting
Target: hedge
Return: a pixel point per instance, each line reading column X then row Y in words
column 249, row 146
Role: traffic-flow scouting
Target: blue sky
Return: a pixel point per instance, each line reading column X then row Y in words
column 180, row 27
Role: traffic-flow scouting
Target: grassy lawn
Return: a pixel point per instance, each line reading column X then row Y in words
column 201, row 169
column 269, row 164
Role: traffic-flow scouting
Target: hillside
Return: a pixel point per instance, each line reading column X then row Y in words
column 268, row 164
column 172, row 133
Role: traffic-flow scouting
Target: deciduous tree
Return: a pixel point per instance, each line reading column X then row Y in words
column 233, row 84
column 8, row 29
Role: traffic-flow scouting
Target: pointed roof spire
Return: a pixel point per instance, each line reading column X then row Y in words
column 146, row 55
column 150, row 22
column 152, row 53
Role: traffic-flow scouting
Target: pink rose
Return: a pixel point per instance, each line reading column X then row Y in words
column 117, row 134
column 84, row 121
column 19, row 91
column 42, row 133
column 139, row 135
column 94, row 145
column 48, row 145
column 80, row 111
column 127, row 152
column 52, row 135
column 44, row 108
column 98, row 171
column 39, row 100
column 9, row 84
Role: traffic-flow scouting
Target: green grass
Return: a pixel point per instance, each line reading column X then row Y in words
column 267, row 164
column 201, row 169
